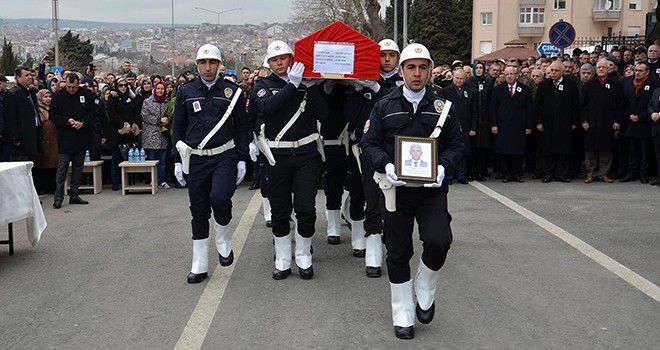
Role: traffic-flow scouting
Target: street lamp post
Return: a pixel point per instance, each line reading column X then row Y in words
column 218, row 13
column 56, row 26
column 173, row 41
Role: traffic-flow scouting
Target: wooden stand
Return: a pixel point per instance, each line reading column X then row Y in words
column 149, row 166
column 96, row 168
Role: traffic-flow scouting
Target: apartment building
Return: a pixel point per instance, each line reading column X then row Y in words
column 495, row 22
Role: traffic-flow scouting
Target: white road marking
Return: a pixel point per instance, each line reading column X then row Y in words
column 198, row 325
column 634, row 279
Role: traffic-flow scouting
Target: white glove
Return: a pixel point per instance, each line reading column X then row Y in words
column 295, row 73
column 439, row 179
column 370, row 84
column 254, row 152
column 240, row 174
column 178, row 173
column 391, row 176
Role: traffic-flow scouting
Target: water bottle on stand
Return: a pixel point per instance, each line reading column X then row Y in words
column 131, row 155
column 87, row 156
column 143, row 155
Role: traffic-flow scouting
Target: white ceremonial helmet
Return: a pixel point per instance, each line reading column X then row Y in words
column 208, row 51
column 415, row 51
column 276, row 48
column 388, row 45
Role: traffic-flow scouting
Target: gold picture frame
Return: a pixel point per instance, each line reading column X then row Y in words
column 416, row 159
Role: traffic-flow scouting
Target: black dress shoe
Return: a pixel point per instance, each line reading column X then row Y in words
column 536, row 176
column 57, row 204
column 373, row 272
column 404, row 332
column 269, row 223
column 254, row 186
column 520, row 179
column 425, row 317
column 197, row 277
column 280, row 275
column 628, row 178
column 359, row 253
column 644, row 180
column 546, row 180
column 470, row 178
column 463, row 181
column 307, row 273
column 656, row 182
column 228, row 260
column 506, row 180
column 480, row 177
column 77, row 200
column 333, row 239
column 563, row 179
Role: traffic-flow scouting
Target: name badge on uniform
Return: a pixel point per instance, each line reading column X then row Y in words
column 465, row 94
column 607, row 86
column 560, row 87
column 519, row 89
column 367, row 95
column 82, row 99
column 647, row 88
column 657, row 71
column 197, row 106
column 481, row 87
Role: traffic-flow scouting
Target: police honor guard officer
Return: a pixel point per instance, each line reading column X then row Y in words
column 211, row 135
column 289, row 110
column 413, row 110
column 362, row 188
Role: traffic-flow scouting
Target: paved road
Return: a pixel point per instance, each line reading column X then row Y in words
column 532, row 266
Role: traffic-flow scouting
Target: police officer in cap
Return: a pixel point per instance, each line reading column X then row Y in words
column 413, row 110
column 289, row 109
column 216, row 169
column 367, row 221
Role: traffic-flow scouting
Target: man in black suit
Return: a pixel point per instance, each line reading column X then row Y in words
column 24, row 131
column 511, row 121
column 416, row 154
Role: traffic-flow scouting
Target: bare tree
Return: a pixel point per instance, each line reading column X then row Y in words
column 363, row 15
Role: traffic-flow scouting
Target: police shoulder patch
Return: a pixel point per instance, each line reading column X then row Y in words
column 366, row 126
column 439, row 105
column 367, row 95
column 228, row 92
column 399, row 83
column 261, row 93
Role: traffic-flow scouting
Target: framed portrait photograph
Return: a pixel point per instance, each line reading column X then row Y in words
column 416, row 159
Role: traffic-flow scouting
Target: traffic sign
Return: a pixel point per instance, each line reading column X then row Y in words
column 546, row 49
column 57, row 70
column 562, row 34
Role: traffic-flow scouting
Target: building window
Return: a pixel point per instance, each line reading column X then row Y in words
column 486, row 18
column 612, row 5
column 635, row 5
column 634, row 30
column 485, row 47
column 531, row 16
column 559, row 4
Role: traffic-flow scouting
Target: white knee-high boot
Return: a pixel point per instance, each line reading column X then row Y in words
column 334, row 223
column 403, row 305
column 266, row 207
column 374, row 254
column 283, row 252
column 425, row 285
column 303, row 251
column 200, row 259
column 223, row 241
column 357, row 235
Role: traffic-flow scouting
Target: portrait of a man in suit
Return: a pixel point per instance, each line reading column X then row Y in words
column 416, row 157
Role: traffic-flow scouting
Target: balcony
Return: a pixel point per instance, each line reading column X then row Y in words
column 602, row 15
column 534, row 30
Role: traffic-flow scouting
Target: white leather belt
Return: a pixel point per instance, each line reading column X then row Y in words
column 294, row 144
column 332, row 142
column 213, row 151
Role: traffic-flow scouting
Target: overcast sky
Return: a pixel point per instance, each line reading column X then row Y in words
column 152, row 11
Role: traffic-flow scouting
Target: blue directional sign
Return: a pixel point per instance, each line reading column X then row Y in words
column 546, row 49
column 230, row 72
column 562, row 34
column 57, row 70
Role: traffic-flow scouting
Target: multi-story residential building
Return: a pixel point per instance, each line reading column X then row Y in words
column 495, row 22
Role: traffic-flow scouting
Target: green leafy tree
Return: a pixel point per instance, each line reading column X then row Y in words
column 74, row 53
column 8, row 61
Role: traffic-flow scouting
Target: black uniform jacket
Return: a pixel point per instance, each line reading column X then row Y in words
column 393, row 115
column 277, row 101
column 79, row 106
column 558, row 109
column 637, row 104
column 198, row 109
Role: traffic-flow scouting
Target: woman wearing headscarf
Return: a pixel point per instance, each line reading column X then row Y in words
column 45, row 166
column 482, row 143
column 124, row 124
column 154, row 141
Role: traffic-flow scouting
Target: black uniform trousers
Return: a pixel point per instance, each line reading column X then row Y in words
column 639, row 157
column 512, row 166
column 656, row 146
column 336, row 164
column 297, row 175
column 479, row 162
column 429, row 207
column 373, row 221
column 556, row 165
column 211, row 184
column 356, row 189
column 77, row 162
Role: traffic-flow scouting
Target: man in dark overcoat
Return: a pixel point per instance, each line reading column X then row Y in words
column 463, row 100
column 23, row 126
column 601, row 113
column 557, row 115
column 511, row 121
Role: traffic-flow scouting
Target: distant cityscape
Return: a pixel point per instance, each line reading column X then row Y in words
column 150, row 44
